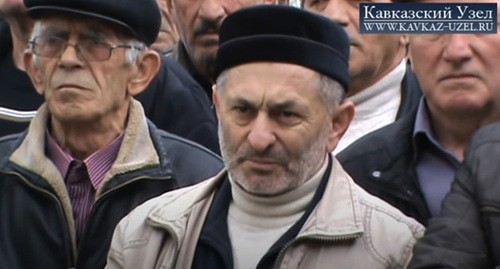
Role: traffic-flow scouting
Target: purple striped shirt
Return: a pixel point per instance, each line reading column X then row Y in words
column 97, row 164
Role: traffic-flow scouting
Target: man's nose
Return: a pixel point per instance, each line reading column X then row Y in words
column 212, row 10
column 262, row 135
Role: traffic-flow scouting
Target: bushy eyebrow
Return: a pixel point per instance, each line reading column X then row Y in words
column 241, row 102
column 284, row 105
column 272, row 105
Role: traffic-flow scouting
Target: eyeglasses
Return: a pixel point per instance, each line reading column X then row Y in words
column 87, row 49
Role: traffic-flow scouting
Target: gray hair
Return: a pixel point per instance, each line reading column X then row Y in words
column 131, row 56
column 331, row 91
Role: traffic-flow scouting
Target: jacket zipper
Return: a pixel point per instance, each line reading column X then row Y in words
column 106, row 193
column 60, row 208
column 318, row 238
column 74, row 257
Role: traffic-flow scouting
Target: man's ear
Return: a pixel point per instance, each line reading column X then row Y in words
column 33, row 71
column 215, row 99
column 146, row 70
column 341, row 119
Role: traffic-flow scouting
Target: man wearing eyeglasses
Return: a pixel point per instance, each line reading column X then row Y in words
column 90, row 155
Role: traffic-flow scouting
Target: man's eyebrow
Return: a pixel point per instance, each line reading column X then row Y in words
column 273, row 105
column 54, row 31
column 282, row 105
column 240, row 101
column 93, row 33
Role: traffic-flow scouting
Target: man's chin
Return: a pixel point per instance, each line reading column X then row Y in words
column 204, row 59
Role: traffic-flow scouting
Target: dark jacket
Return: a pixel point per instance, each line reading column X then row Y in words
column 174, row 102
column 16, row 90
column 37, row 226
column 382, row 163
column 466, row 235
column 180, row 55
column 410, row 93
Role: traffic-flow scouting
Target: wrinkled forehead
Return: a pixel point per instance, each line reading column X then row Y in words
column 66, row 25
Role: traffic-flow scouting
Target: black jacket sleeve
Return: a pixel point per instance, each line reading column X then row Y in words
column 467, row 232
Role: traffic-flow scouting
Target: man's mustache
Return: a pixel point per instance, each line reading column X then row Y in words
column 276, row 156
column 207, row 27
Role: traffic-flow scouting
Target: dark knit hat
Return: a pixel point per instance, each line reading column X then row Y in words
column 141, row 18
column 284, row 34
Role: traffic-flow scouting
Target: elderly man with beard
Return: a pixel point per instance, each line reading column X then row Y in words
column 284, row 200
column 90, row 155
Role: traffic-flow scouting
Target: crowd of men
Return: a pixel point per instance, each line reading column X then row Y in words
column 243, row 134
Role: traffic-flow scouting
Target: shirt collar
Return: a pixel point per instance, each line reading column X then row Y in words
column 423, row 134
column 98, row 164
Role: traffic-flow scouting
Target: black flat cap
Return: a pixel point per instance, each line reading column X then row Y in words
column 141, row 18
column 272, row 33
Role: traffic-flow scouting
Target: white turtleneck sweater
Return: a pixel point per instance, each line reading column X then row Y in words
column 255, row 223
column 376, row 106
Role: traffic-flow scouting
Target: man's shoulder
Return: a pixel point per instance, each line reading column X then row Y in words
column 389, row 230
column 380, row 211
column 190, row 161
column 173, row 205
column 486, row 135
column 387, row 138
column 179, row 144
column 11, row 141
column 8, row 144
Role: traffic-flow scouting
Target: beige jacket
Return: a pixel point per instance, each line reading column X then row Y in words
column 348, row 229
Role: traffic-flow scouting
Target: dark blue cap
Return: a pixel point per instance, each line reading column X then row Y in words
column 141, row 18
column 273, row 33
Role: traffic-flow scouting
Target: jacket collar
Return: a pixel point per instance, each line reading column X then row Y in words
column 339, row 212
column 137, row 149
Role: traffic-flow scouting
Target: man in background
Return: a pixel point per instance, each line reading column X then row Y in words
column 198, row 23
column 168, row 35
column 383, row 87
column 411, row 163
